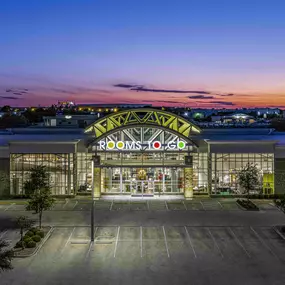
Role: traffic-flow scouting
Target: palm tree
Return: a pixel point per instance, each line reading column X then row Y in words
column 6, row 256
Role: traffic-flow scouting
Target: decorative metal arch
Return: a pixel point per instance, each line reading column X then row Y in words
column 147, row 117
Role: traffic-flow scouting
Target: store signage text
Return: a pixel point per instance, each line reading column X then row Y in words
column 137, row 145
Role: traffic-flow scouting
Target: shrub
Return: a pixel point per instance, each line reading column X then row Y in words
column 29, row 234
column 36, row 238
column 40, row 233
column 27, row 239
column 34, row 230
column 247, row 204
column 31, row 244
column 19, row 244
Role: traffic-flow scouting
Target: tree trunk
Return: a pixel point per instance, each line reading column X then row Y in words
column 22, row 242
column 40, row 219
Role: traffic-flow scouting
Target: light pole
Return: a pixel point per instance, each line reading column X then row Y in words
column 92, row 204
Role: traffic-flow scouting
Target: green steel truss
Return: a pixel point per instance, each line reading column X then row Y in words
column 146, row 117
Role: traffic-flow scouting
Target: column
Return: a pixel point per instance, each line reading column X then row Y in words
column 188, row 182
column 97, row 182
column 68, row 175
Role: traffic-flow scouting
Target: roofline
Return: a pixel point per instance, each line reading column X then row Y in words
column 242, row 141
column 44, row 142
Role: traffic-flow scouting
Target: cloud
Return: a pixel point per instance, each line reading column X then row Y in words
column 161, row 101
column 223, row 103
column 227, row 95
column 144, row 89
column 17, row 91
column 123, row 85
column 10, row 97
column 200, row 97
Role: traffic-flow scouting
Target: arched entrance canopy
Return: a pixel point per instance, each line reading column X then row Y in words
column 142, row 117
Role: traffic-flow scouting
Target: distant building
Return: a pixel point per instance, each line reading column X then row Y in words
column 71, row 121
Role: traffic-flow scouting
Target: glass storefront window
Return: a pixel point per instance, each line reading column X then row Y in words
column 225, row 169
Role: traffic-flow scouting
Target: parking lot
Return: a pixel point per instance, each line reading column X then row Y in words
column 145, row 205
column 141, row 254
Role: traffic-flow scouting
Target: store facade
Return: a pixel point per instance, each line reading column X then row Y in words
column 146, row 152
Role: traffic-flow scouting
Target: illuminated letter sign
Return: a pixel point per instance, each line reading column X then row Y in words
column 137, row 145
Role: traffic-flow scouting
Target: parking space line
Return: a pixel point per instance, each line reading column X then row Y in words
column 184, row 205
column 190, row 241
column 221, row 205
column 9, row 206
column 116, row 242
column 263, row 242
column 91, row 245
column 147, row 205
column 165, row 241
column 76, row 202
column 3, row 234
column 141, row 241
column 215, row 242
column 65, row 204
column 166, row 206
column 111, row 205
column 68, row 241
column 238, row 242
column 202, row 205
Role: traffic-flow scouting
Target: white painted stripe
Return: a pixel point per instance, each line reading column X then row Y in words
column 89, row 249
column 263, row 242
column 2, row 234
column 111, row 205
column 166, row 205
column 184, row 205
column 221, row 205
column 202, row 205
column 68, row 241
column 65, row 204
column 91, row 245
column 117, row 241
column 147, row 205
column 215, row 242
column 238, row 242
column 141, row 242
column 190, row 241
column 76, row 202
column 9, row 206
column 165, row 241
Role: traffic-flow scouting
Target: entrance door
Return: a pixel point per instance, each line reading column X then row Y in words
column 144, row 188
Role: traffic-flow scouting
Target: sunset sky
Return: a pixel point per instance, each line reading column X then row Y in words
column 202, row 53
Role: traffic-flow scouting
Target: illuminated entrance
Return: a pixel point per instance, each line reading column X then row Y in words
column 143, row 152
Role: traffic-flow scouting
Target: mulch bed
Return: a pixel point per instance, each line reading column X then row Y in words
column 19, row 252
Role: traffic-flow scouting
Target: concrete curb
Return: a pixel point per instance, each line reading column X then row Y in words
column 278, row 232
column 39, row 247
column 248, row 210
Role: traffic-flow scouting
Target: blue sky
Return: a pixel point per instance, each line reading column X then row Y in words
column 78, row 50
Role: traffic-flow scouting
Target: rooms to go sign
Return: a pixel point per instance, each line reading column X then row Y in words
column 137, row 145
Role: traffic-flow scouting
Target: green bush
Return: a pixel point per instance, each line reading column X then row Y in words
column 19, row 244
column 40, row 233
column 29, row 234
column 27, row 239
column 31, row 244
column 36, row 238
column 34, row 230
column 247, row 204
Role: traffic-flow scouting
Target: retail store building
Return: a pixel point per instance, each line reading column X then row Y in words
column 144, row 152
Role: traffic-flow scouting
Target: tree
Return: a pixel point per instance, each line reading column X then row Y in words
column 40, row 201
column 39, row 178
column 23, row 222
column 248, row 178
column 4, row 184
column 280, row 203
column 6, row 256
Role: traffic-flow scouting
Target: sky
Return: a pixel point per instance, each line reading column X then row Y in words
column 206, row 53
